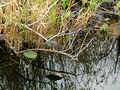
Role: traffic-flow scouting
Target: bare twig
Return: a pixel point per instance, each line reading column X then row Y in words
column 54, row 51
column 13, row 48
column 59, row 34
column 35, row 32
column 6, row 3
column 79, row 48
column 84, row 47
column 72, row 40
column 84, row 40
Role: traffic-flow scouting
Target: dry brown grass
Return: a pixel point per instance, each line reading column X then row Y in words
column 16, row 12
column 49, row 22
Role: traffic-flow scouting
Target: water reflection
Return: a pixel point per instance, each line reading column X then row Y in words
column 98, row 65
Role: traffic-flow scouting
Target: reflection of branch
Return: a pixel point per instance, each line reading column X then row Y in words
column 54, row 71
column 99, row 84
column 45, row 13
column 8, row 65
column 28, row 79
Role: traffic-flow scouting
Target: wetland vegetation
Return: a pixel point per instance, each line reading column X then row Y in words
column 59, row 44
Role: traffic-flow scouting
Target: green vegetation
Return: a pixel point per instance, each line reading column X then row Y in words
column 104, row 27
column 33, row 22
column 30, row 54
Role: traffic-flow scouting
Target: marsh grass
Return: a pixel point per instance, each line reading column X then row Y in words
column 24, row 11
column 58, row 21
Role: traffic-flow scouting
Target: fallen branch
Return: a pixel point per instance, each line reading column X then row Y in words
column 54, row 51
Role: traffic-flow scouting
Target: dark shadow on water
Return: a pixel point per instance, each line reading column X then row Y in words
column 50, row 71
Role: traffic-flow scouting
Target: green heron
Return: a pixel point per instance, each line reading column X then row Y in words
column 53, row 44
column 53, row 77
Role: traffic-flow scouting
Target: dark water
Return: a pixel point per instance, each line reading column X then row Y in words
column 97, row 69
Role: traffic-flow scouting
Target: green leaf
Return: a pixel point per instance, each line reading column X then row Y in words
column 72, row 15
column 104, row 27
column 107, row 19
column 30, row 54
